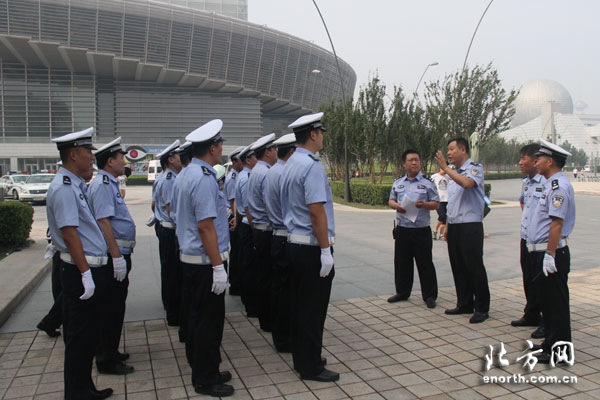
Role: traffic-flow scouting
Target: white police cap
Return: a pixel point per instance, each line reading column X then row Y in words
column 169, row 150
column 183, row 148
column 109, row 148
column 209, row 132
column 76, row 139
column 263, row 142
column 286, row 140
column 311, row 121
column 247, row 151
column 236, row 152
column 551, row 150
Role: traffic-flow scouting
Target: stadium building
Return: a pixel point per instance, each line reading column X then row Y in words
column 149, row 71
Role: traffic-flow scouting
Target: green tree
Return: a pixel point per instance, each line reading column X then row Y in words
column 578, row 158
column 374, row 119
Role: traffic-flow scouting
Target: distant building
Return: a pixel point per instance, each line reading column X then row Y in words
column 149, row 71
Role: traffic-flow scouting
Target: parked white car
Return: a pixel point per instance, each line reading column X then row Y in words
column 34, row 189
column 8, row 182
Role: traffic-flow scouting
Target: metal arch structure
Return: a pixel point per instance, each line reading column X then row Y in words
column 164, row 44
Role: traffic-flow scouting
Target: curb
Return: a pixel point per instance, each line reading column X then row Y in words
column 17, row 267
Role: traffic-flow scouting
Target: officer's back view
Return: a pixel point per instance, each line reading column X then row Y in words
column 82, row 247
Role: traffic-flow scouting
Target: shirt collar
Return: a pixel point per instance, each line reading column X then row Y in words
column 537, row 178
column 462, row 167
column 203, row 163
column 246, row 169
column 416, row 178
column 555, row 176
column 280, row 162
column 74, row 178
column 175, row 173
column 112, row 178
column 266, row 164
column 305, row 151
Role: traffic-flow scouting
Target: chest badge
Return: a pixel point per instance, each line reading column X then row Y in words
column 539, row 189
column 420, row 186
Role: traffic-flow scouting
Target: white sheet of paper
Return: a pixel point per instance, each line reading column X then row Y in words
column 411, row 209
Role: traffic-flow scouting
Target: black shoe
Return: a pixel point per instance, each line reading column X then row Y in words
column 325, row 376
column 251, row 315
column 234, row 292
column 539, row 333
column 537, row 347
column 173, row 323
column 524, row 322
column 396, row 298
column 216, row 390
column 458, row 310
column 543, row 358
column 430, row 302
column 101, row 394
column 479, row 317
column 122, row 356
column 224, row 376
column 181, row 336
column 118, row 368
column 49, row 331
column 323, row 361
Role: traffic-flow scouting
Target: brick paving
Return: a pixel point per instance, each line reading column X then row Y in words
column 383, row 351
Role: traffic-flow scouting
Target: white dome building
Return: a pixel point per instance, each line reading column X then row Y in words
column 534, row 94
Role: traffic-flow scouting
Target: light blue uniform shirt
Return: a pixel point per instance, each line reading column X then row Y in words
column 241, row 191
column 229, row 188
column 557, row 200
column 273, row 194
column 531, row 191
column 419, row 188
column 256, row 192
column 106, row 202
column 197, row 198
column 67, row 205
column 163, row 191
column 466, row 205
column 304, row 182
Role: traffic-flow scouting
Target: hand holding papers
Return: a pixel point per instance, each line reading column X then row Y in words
column 411, row 208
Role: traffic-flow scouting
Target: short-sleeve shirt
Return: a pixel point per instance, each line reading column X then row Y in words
column 256, row 193
column 466, row 205
column 531, row 191
column 197, row 198
column 441, row 184
column 163, row 191
column 305, row 182
column 419, row 188
column 273, row 194
column 557, row 200
column 67, row 205
column 241, row 191
column 106, row 202
column 229, row 189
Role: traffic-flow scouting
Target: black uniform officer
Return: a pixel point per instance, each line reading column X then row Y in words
column 77, row 236
column 413, row 235
column 307, row 206
column 119, row 230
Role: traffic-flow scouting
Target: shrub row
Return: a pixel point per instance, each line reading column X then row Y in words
column 138, row 180
column 503, row 175
column 15, row 223
column 367, row 193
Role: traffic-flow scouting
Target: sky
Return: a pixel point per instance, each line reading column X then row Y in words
column 524, row 39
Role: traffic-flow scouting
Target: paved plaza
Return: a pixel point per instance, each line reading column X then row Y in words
column 388, row 351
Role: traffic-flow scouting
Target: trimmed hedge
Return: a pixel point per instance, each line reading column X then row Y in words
column 15, row 223
column 136, row 180
column 503, row 175
column 367, row 193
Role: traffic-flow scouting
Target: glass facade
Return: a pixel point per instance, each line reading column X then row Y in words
column 230, row 8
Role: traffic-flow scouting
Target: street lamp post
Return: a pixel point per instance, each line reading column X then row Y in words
column 424, row 72
column 474, row 33
column 337, row 63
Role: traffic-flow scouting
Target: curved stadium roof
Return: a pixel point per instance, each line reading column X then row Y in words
column 152, row 41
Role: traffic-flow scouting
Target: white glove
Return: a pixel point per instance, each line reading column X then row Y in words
column 50, row 250
column 326, row 262
column 120, row 268
column 219, row 279
column 549, row 266
column 88, row 285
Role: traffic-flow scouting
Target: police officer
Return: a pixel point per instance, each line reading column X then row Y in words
column 307, row 207
column 552, row 223
column 531, row 191
column 244, row 230
column 170, row 267
column 119, row 230
column 82, row 247
column 413, row 239
column 185, row 154
column 280, row 280
column 258, row 281
column 230, row 183
column 465, row 231
column 202, row 227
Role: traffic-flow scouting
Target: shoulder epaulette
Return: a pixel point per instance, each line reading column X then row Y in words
column 169, row 175
column 233, row 175
column 105, row 179
column 313, row 157
column 554, row 184
column 475, row 164
column 66, row 180
column 205, row 170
